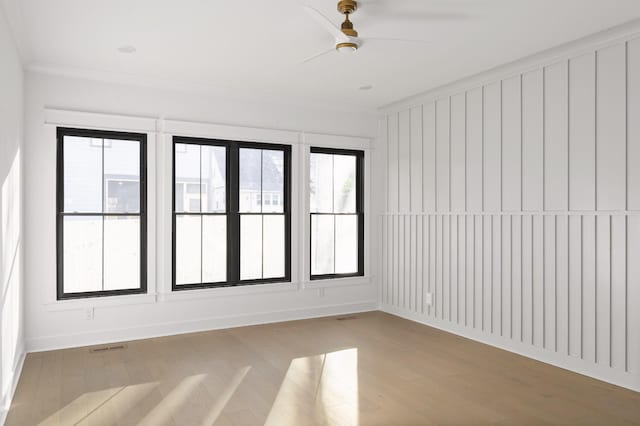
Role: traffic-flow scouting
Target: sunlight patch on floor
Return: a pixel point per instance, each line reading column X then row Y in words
column 222, row 401
column 320, row 387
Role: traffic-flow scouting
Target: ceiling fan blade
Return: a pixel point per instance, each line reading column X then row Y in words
column 326, row 24
column 317, row 55
column 405, row 40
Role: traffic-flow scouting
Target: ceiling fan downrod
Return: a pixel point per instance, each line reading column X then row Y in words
column 347, row 7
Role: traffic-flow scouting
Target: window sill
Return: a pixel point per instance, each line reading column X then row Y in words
column 338, row 282
column 99, row 302
column 206, row 293
column 216, row 292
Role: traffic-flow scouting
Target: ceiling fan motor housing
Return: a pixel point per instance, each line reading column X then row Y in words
column 347, row 6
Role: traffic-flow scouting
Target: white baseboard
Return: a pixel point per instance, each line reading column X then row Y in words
column 17, row 372
column 39, row 344
column 605, row 373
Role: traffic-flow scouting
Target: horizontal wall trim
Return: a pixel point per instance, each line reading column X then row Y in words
column 207, row 293
column 619, row 378
column 326, row 140
column 70, row 118
column 229, row 132
column 108, row 121
column 101, row 302
column 39, row 344
column 520, row 213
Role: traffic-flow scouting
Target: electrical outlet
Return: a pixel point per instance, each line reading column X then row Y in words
column 428, row 299
column 88, row 313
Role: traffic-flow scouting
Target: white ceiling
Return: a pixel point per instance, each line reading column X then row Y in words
column 255, row 47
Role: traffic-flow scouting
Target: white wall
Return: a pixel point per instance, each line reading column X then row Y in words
column 11, row 283
column 513, row 199
column 52, row 324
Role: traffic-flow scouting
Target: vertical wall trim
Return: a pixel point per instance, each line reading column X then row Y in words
column 435, row 155
column 595, row 292
column 544, row 151
column 533, row 299
column 626, row 294
column 450, row 254
column 398, row 157
column 387, row 160
column 581, row 287
column 450, row 280
column 555, row 283
column 410, row 189
column 595, row 127
column 544, row 258
column 626, row 125
column 450, row 163
column 568, row 205
column 501, row 266
column 521, row 147
column 501, row 148
column 501, row 204
column 482, row 139
column 569, row 284
column 423, row 165
column 521, row 278
column 474, row 271
column 511, row 278
column 610, row 289
column 466, row 154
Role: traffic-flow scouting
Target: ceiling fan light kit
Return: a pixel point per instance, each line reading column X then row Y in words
column 346, row 47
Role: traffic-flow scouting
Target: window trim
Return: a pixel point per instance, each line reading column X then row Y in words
column 359, row 154
column 232, row 186
column 61, row 132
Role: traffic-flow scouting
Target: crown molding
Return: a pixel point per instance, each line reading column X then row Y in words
column 587, row 44
column 198, row 88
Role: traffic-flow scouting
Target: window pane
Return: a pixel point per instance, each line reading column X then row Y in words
column 321, row 183
column 250, row 180
column 214, row 249
column 344, row 178
column 82, row 254
column 187, row 165
column 272, row 180
column 346, row 244
column 82, row 174
column 273, row 243
column 121, row 252
column 121, row 176
column 188, row 233
column 250, row 247
column 322, row 247
column 214, row 168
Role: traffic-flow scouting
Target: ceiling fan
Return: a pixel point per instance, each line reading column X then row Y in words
column 346, row 37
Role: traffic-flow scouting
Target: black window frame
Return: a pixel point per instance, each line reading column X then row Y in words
column 359, row 154
column 232, row 186
column 61, row 132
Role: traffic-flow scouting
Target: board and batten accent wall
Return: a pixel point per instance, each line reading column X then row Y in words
column 513, row 212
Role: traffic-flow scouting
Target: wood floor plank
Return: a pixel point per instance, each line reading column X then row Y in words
column 372, row 369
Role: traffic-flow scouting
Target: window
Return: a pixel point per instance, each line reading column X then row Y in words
column 101, row 213
column 337, row 215
column 229, row 233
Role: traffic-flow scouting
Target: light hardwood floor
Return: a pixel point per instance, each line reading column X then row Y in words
column 371, row 369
